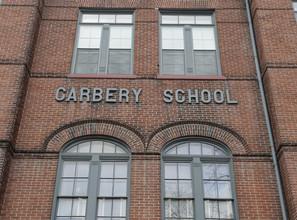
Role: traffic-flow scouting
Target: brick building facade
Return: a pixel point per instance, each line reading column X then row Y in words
column 163, row 91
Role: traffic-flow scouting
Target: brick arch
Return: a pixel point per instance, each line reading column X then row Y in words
column 230, row 138
column 123, row 132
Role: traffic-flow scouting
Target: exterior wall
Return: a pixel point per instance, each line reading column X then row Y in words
column 276, row 30
column 19, row 21
column 36, row 60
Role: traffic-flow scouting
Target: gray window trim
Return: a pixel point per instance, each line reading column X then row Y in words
column 197, row 178
column 189, row 54
column 95, row 160
column 106, row 43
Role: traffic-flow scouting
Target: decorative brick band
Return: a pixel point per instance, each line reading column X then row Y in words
column 176, row 130
column 109, row 128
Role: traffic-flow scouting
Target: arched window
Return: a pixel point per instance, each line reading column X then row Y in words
column 198, row 181
column 92, row 181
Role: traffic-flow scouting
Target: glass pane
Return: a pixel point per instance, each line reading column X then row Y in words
column 104, row 207
column 223, row 172
column 120, row 37
column 89, row 36
column 169, row 19
column 207, row 149
column 66, row 188
column 68, row 169
column 64, row 207
column 119, row 150
column 119, row 207
column 219, row 152
column 121, row 170
column 206, row 64
column 120, row 188
column 226, row 210
column 96, row 147
column 171, row 188
column 170, row 171
column 204, row 38
column 195, row 148
column 202, row 19
column 186, row 208
column 79, row 207
column 210, row 189
column 124, row 19
column 119, row 62
column 211, row 209
column 87, row 18
column 167, row 208
column 183, row 149
column 107, row 170
column 224, row 189
column 173, row 63
column 87, row 61
column 81, row 187
column 82, row 169
column 171, row 208
column 109, row 148
column 72, row 150
column 184, row 171
column 172, row 38
column 185, row 189
column 84, row 147
column 186, row 20
column 106, row 187
column 107, row 19
column 171, row 151
column 63, row 218
column 295, row 6
column 209, row 171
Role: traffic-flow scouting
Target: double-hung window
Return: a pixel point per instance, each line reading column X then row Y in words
column 189, row 44
column 92, row 181
column 198, row 181
column 104, row 43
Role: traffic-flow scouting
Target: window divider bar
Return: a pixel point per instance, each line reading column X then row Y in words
column 198, row 191
column 91, row 210
column 104, row 49
column 189, row 54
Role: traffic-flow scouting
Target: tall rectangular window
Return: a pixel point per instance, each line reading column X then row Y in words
column 189, row 44
column 103, row 44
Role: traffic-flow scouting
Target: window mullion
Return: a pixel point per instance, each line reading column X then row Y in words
column 198, row 189
column 189, row 56
column 104, row 49
column 93, row 188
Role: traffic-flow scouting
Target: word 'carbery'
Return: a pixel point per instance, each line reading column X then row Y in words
column 111, row 95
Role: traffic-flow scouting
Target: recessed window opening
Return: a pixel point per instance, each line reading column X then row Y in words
column 93, row 181
column 198, row 181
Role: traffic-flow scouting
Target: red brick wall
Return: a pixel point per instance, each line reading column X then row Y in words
column 276, row 32
column 46, row 125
